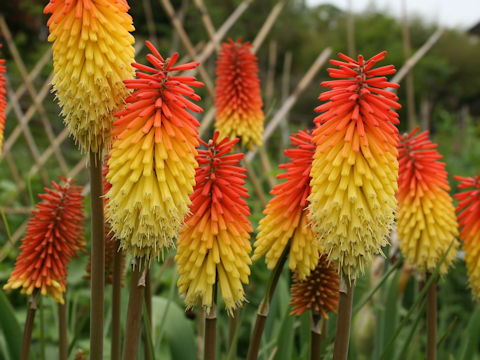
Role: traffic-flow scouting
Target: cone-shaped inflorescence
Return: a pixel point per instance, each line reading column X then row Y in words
column 317, row 292
column 426, row 221
column 355, row 167
column 3, row 100
column 152, row 160
column 54, row 235
column 110, row 240
column 214, row 242
column 468, row 211
column 92, row 55
column 285, row 222
column 237, row 97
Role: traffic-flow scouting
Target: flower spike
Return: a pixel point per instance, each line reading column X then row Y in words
column 214, row 242
column 54, row 235
column 238, row 98
column 468, row 211
column 92, row 53
column 285, row 222
column 426, row 216
column 355, row 167
column 152, row 160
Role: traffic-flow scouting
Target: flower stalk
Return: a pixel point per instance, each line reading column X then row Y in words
column 342, row 336
column 211, row 328
column 27, row 332
column 62, row 332
column 317, row 335
column 116, row 302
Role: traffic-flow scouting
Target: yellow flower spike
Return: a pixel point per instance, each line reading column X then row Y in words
column 355, row 167
column 426, row 216
column 92, row 55
column 152, row 160
column 214, row 242
column 285, row 222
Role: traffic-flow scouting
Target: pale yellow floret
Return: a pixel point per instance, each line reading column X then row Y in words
column 246, row 126
column 276, row 231
column 426, row 226
column 352, row 203
column 92, row 56
column 150, row 192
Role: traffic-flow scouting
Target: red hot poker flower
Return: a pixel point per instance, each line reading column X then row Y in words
column 54, row 235
column 214, row 242
column 468, row 211
column 238, row 98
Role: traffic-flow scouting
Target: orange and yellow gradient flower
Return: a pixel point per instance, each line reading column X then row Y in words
column 355, row 167
column 238, row 97
column 3, row 100
column 468, row 211
column 92, row 55
column 286, row 222
column 317, row 292
column 426, row 221
column 152, row 160
column 54, row 235
column 214, row 242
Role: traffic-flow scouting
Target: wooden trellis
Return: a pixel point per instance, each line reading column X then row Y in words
column 26, row 108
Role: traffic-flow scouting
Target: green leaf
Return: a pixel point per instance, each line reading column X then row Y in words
column 10, row 327
column 471, row 336
column 285, row 338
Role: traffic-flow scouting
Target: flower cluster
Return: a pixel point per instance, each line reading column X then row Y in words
column 214, row 242
column 152, row 160
column 426, row 216
column 355, row 167
column 238, row 99
column 92, row 53
column 286, row 222
column 54, row 235
column 468, row 211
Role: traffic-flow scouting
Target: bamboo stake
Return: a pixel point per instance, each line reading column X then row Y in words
column 350, row 30
column 409, row 86
column 97, row 282
column 270, row 80
column 207, row 23
column 147, row 9
column 267, row 26
column 287, row 68
column 27, row 332
column 342, row 336
column 288, row 104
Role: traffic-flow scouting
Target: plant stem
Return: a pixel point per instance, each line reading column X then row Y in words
column 211, row 328
column 27, row 332
column 432, row 319
column 42, row 328
column 62, row 331
column 134, row 313
column 98, row 257
column 317, row 335
column 264, row 307
column 148, row 304
column 232, row 329
column 116, row 302
column 342, row 336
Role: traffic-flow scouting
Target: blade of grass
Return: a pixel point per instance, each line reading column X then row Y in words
column 148, row 332
column 403, row 351
column 447, row 332
column 5, row 224
column 420, row 297
column 471, row 337
column 233, row 347
column 10, row 327
column 169, row 301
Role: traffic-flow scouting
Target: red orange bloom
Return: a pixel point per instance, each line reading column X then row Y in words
column 286, row 220
column 92, row 53
column 426, row 216
column 3, row 101
column 54, row 235
column 238, row 99
column 152, row 160
column 355, row 167
column 214, row 242
column 318, row 292
column 468, row 211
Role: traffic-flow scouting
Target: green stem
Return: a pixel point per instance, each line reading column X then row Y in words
column 27, row 332
column 232, row 329
column 116, row 303
column 42, row 328
column 134, row 313
column 211, row 329
column 432, row 319
column 317, row 335
column 62, row 331
column 98, row 258
column 264, row 307
column 148, row 305
column 342, row 336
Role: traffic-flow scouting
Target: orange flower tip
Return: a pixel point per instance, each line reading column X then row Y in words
column 54, row 236
column 214, row 243
column 238, row 95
